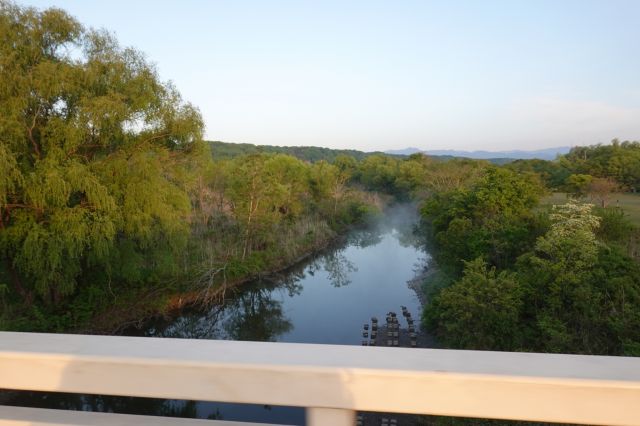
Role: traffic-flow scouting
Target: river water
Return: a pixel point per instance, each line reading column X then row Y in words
column 324, row 299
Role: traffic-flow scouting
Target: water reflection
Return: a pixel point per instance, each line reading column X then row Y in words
column 337, row 266
column 365, row 237
column 255, row 311
column 255, row 315
column 252, row 314
column 109, row 404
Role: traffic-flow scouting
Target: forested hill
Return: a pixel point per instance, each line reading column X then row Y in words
column 222, row 150
column 226, row 150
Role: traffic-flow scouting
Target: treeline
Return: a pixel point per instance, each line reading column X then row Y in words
column 109, row 195
column 513, row 276
column 227, row 150
column 593, row 171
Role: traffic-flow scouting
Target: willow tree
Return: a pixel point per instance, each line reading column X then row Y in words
column 95, row 156
column 263, row 190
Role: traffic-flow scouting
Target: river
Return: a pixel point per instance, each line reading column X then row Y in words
column 325, row 299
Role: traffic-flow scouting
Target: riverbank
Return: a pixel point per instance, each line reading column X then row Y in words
column 140, row 308
column 417, row 283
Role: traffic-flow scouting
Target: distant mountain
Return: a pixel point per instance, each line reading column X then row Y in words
column 543, row 154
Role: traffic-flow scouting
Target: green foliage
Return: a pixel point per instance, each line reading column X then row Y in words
column 571, row 236
column 492, row 220
column 552, row 173
column 480, row 311
column 419, row 175
column 379, row 173
column 97, row 158
column 571, row 286
column 227, row 150
column 577, row 184
column 615, row 226
column 619, row 161
column 263, row 190
column 568, row 293
column 556, row 274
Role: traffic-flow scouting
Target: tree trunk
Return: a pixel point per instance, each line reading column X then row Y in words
column 26, row 296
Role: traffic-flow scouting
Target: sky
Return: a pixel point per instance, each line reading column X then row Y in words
column 378, row 75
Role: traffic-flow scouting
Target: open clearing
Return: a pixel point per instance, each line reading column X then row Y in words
column 630, row 203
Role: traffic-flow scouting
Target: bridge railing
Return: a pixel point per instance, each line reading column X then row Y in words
column 332, row 382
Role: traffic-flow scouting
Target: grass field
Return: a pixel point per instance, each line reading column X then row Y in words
column 630, row 203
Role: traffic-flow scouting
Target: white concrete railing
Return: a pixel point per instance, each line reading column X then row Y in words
column 331, row 381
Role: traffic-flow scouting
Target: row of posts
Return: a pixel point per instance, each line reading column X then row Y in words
column 393, row 330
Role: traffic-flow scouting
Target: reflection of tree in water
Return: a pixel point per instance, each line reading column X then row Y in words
column 365, row 237
column 193, row 325
column 106, row 404
column 409, row 236
column 250, row 314
column 337, row 266
column 255, row 315
column 289, row 281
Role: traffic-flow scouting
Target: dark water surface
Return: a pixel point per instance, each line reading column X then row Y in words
column 325, row 299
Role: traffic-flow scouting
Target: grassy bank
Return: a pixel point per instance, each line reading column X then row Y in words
column 630, row 203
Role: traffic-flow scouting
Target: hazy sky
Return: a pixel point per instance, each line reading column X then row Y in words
column 380, row 75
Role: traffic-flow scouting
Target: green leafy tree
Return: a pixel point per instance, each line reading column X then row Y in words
column 480, row 311
column 330, row 182
column 452, row 175
column 619, row 161
column 412, row 175
column 290, row 178
column 581, row 296
column 578, row 184
column 379, row 173
column 252, row 194
column 615, row 225
column 492, row 219
column 552, row 173
column 96, row 155
column 557, row 273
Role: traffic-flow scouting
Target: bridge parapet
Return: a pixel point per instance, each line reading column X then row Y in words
column 331, row 381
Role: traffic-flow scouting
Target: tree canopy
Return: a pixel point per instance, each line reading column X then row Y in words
column 491, row 218
column 95, row 152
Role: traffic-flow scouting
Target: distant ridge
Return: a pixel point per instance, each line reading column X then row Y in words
column 542, row 154
column 222, row 150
